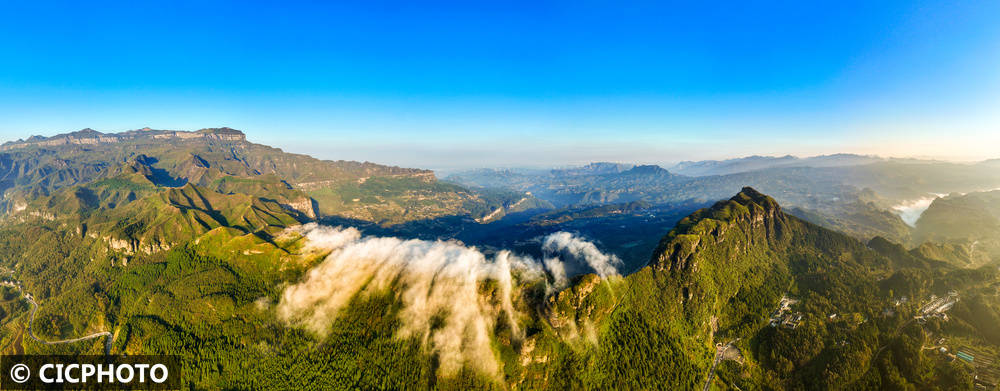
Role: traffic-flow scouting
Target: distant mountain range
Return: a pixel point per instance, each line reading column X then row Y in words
column 852, row 193
column 69, row 174
column 172, row 185
column 260, row 268
column 92, row 137
column 751, row 163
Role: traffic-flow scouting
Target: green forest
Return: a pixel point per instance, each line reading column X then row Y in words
column 714, row 279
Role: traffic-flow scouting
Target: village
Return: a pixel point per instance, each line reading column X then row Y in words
column 936, row 307
column 981, row 358
column 784, row 316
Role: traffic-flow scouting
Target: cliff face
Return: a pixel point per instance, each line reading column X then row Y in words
column 92, row 137
column 86, row 171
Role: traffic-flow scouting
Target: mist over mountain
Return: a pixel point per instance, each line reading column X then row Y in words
column 245, row 261
column 500, row 195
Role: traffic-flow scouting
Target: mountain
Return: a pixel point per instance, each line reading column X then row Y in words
column 860, row 195
column 222, row 160
column 595, row 183
column 90, row 136
column 820, row 197
column 731, row 166
column 752, row 163
column 967, row 223
column 719, row 273
column 260, row 269
column 597, row 168
column 254, row 293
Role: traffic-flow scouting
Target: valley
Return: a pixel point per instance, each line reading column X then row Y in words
column 508, row 196
column 262, row 268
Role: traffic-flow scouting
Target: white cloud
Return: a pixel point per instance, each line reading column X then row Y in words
column 565, row 243
column 431, row 278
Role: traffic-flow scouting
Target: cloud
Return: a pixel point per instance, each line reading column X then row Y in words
column 557, row 269
column 910, row 211
column 434, row 280
column 573, row 247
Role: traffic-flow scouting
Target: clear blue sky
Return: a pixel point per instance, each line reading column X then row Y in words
column 462, row 84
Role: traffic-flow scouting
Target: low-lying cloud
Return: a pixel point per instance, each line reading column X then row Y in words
column 434, row 280
column 911, row 210
column 569, row 245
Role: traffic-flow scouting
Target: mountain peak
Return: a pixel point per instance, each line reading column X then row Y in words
column 750, row 196
column 596, row 168
column 651, row 169
column 748, row 214
column 748, row 204
column 86, row 132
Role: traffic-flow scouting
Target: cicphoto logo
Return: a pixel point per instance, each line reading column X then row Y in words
column 24, row 372
column 20, row 373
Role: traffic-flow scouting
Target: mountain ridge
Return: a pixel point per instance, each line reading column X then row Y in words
column 184, row 246
column 214, row 157
column 194, row 268
column 758, row 162
column 90, row 136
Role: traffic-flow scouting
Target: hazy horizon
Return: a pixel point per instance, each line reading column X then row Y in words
column 475, row 85
column 508, row 195
column 570, row 163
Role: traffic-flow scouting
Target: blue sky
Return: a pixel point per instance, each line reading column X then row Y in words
column 446, row 85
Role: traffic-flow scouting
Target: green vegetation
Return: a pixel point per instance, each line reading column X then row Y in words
column 966, row 227
column 715, row 279
column 183, row 249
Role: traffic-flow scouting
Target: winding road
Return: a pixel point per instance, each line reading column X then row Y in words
column 31, row 333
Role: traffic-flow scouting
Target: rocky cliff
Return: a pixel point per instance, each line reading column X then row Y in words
column 92, row 137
